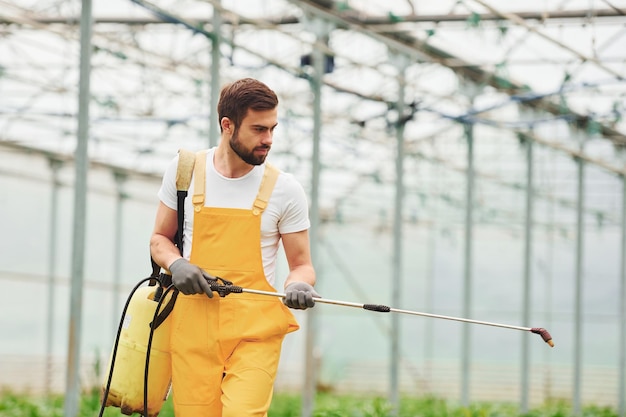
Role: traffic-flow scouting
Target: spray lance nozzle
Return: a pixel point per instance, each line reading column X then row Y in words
column 544, row 335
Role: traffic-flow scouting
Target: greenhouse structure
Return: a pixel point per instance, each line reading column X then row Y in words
column 461, row 159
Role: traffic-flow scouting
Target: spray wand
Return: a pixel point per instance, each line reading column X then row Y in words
column 226, row 287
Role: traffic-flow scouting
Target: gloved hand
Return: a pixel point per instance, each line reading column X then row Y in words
column 189, row 278
column 299, row 295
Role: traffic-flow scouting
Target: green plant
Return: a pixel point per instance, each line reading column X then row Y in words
column 326, row 405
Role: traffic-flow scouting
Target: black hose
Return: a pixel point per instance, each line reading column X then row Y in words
column 153, row 326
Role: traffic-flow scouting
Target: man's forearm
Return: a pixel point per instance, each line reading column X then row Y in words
column 303, row 273
column 163, row 250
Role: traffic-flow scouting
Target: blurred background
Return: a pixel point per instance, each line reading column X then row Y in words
column 461, row 157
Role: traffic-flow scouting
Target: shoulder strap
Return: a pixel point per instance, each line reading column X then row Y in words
column 265, row 189
column 186, row 160
column 199, row 181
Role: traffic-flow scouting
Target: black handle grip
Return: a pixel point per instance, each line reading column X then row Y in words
column 224, row 290
column 377, row 307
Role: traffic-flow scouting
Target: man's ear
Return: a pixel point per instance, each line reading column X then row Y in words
column 227, row 124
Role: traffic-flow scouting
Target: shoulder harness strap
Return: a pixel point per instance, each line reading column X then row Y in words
column 186, row 160
column 265, row 189
column 199, row 182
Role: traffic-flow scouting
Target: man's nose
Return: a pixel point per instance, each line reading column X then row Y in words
column 267, row 137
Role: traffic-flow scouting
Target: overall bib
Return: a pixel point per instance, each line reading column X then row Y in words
column 225, row 351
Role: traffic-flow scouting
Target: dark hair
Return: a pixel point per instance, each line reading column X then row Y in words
column 238, row 97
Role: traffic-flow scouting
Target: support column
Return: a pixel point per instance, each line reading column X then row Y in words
column 578, row 305
column 401, row 62
column 466, row 342
column 621, row 394
column 120, row 180
column 429, row 288
column 526, row 307
column 55, row 165
column 321, row 29
column 214, row 132
column 72, row 383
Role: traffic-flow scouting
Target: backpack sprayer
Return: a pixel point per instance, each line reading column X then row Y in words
column 124, row 386
column 129, row 385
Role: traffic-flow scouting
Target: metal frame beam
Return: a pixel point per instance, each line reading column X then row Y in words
column 557, row 15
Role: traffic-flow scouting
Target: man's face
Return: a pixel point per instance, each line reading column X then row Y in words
column 253, row 139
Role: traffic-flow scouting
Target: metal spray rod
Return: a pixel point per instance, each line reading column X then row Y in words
column 224, row 290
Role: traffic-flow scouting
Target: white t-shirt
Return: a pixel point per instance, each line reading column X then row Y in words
column 286, row 212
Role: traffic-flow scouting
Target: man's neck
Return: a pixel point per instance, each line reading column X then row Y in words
column 228, row 163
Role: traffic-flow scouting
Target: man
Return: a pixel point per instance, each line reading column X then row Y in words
column 225, row 350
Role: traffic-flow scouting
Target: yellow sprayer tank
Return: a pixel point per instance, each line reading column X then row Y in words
column 127, row 384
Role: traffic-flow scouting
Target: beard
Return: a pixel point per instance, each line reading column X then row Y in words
column 246, row 155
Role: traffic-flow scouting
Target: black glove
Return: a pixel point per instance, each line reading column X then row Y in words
column 299, row 295
column 189, row 278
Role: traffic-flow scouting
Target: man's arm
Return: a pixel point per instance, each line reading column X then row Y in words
column 299, row 283
column 162, row 247
column 186, row 277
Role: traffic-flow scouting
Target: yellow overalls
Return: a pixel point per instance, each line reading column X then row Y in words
column 225, row 351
